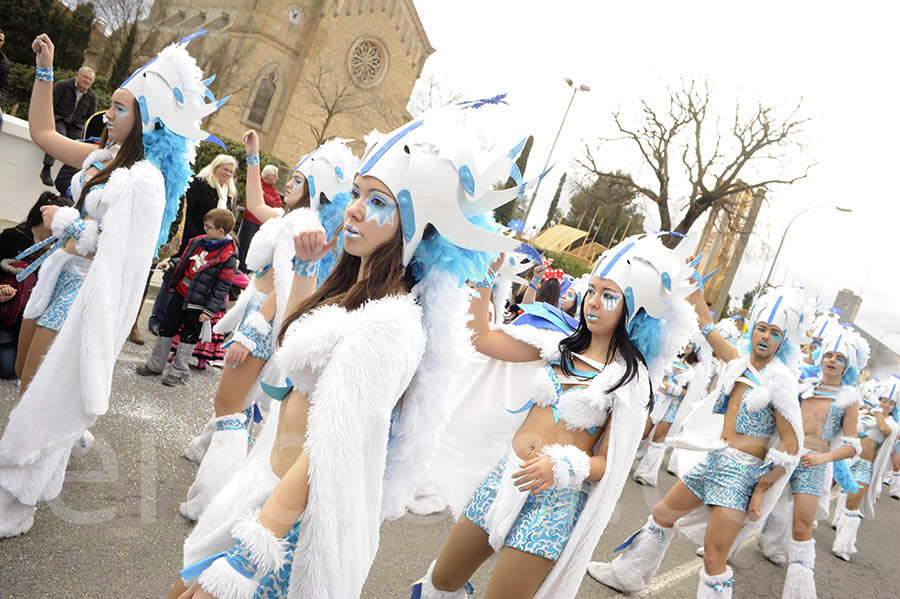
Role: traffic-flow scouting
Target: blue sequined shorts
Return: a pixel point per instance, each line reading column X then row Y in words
column 862, row 471
column 542, row 527
column 64, row 294
column 263, row 349
column 726, row 477
column 808, row 480
column 669, row 416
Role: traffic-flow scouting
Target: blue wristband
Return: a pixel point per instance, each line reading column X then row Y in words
column 43, row 73
column 707, row 329
column 252, row 159
column 304, row 268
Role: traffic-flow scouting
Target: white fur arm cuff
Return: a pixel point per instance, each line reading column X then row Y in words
column 852, row 442
column 571, row 465
column 257, row 322
column 64, row 216
column 241, row 338
column 256, row 553
column 787, row 461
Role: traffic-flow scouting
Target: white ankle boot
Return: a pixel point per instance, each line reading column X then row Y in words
column 83, row 444
column 643, row 554
column 800, row 582
column 839, row 509
column 648, row 470
column 424, row 589
column 845, row 539
column 196, row 449
column 715, row 587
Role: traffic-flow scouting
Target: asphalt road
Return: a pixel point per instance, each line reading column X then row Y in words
column 115, row 532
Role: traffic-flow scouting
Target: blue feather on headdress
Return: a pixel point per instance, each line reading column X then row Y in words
column 645, row 332
column 166, row 151
column 331, row 215
column 438, row 253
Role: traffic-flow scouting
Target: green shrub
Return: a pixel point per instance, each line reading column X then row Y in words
column 569, row 265
column 21, row 80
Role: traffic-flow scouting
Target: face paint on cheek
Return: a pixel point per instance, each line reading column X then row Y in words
column 610, row 300
column 121, row 112
column 380, row 212
column 776, row 337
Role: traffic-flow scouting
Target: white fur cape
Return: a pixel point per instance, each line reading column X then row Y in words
column 779, row 389
column 881, row 466
column 354, row 366
column 72, row 386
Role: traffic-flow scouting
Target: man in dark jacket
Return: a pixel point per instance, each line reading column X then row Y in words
column 199, row 289
column 4, row 76
column 73, row 103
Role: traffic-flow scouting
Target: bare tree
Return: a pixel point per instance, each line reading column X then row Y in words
column 717, row 165
column 430, row 92
column 333, row 94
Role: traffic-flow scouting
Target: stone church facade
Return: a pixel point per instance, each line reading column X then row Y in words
column 300, row 71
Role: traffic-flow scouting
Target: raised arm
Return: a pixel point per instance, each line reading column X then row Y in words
column 721, row 348
column 309, row 248
column 253, row 190
column 41, row 123
column 492, row 342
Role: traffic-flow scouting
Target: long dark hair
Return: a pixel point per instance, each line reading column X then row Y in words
column 385, row 275
column 130, row 151
column 620, row 342
column 47, row 198
column 549, row 292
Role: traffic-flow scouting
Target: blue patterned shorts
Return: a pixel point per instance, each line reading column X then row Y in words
column 275, row 585
column 263, row 343
column 808, row 481
column 725, row 477
column 671, row 411
column 542, row 527
column 64, row 294
column 897, row 447
column 862, row 471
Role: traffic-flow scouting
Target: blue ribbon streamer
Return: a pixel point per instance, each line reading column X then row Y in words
column 275, row 392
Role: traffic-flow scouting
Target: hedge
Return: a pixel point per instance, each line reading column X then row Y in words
column 21, row 80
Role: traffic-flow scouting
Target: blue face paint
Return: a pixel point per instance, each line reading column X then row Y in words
column 121, row 112
column 776, row 336
column 610, row 300
column 379, row 208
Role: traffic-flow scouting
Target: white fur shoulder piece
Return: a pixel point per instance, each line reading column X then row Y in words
column 300, row 220
column 544, row 340
column 590, row 406
column 142, row 175
column 259, row 254
column 847, row 396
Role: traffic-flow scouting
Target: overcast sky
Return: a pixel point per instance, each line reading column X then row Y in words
column 840, row 59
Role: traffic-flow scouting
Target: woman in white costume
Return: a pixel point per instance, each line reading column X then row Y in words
column 90, row 293
column 547, row 501
column 878, row 431
column 301, row 518
column 829, row 403
column 256, row 317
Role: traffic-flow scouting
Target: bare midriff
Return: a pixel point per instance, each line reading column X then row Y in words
column 815, row 412
column 69, row 247
column 753, row 445
column 540, row 428
column 869, row 449
column 291, row 434
column 266, row 283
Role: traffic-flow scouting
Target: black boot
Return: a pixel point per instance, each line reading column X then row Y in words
column 46, row 177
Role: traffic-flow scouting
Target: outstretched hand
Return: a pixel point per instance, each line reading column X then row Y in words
column 251, row 142
column 43, row 49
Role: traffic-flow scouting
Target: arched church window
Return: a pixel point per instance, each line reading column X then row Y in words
column 263, row 99
column 367, row 62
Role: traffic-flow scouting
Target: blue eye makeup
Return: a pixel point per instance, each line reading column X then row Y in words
column 121, row 110
column 610, row 300
column 380, row 209
column 776, row 337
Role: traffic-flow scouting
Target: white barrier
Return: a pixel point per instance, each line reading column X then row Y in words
column 20, row 166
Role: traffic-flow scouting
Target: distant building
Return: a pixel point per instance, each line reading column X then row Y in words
column 848, row 303
column 723, row 241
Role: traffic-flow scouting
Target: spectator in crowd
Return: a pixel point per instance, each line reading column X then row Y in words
column 212, row 187
column 14, row 294
column 73, row 103
column 4, row 77
column 250, row 224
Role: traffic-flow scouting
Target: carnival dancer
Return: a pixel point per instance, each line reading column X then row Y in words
column 126, row 202
column 759, row 441
column 829, row 405
column 318, row 192
column 667, row 401
column 547, row 501
column 878, row 431
column 301, row 518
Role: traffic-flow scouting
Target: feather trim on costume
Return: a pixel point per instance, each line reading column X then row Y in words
column 64, row 216
column 852, row 442
column 781, row 458
column 239, row 337
column 86, row 244
column 585, row 408
column 543, row 391
column 846, row 397
column 262, row 247
column 571, row 466
column 266, row 550
column 544, row 340
column 258, row 323
column 224, row 582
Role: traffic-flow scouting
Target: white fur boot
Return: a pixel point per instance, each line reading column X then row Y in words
column 643, row 554
column 776, row 532
column 227, row 449
column 672, row 465
column 715, row 587
column 15, row 518
column 83, row 444
column 845, row 539
column 895, row 485
column 642, row 448
column 839, row 509
column 196, row 449
column 648, row 470
column 424, row 589
column 800, row 582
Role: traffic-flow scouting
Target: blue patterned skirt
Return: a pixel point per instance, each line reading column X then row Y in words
column 544, row 524
column 64, row 293
column 669, row 416
column 726, row 477
column 862, row 471
column 808, row 480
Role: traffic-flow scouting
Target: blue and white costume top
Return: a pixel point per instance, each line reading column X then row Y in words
column 759, row 423
column 666, row 403
column 868, row 427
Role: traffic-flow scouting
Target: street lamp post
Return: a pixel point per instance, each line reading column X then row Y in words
column 575, row 90
column 886, row 334
column 783, row 235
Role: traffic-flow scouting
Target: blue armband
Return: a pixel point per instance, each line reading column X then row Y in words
column 304, row 268
column 44, row 74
